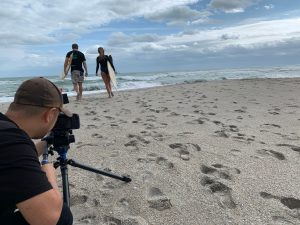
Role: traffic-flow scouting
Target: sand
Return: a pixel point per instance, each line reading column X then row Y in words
column 206, row 153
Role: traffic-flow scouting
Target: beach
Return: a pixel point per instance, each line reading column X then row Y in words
column 202, row 153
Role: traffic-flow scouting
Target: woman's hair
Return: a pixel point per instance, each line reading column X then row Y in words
column 99, row 49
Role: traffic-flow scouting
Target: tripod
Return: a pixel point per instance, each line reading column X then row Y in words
column 63, row 162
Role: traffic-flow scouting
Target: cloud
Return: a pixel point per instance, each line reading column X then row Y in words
column 228, row 37
column 231, row 6
column 44, row 18
column 263, row 34
column 121, row 39
column 268, row 7
column 180, row 15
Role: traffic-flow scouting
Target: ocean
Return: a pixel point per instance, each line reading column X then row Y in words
column 94, row 84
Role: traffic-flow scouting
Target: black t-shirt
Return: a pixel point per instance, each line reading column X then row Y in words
column 77, row 59
column 21, row 176
column 103, row 63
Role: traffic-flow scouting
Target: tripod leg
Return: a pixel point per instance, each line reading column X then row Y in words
column 65, row 182
column 122, row 178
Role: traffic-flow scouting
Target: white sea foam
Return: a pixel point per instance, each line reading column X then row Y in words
column 94, row 84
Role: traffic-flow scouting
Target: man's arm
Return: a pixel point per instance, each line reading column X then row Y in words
column 66, row 64
column 46, row 207
column 97, row 65
column 85, row 68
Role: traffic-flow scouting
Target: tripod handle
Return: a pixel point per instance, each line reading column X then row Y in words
column 112, row 175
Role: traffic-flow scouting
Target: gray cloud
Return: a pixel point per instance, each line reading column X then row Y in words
column 180, row 15
column 228, row 37
column 268, row 7
column 121, row 39
column 231, row 6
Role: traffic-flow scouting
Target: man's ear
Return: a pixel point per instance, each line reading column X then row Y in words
column 49, row 114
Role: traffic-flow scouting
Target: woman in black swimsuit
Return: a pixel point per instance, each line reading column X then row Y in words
column 102, row 60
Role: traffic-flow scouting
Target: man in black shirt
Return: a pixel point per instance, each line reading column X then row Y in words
column 77, row 59
column 29, row 193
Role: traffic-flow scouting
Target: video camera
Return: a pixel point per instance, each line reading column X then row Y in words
column 61, row 134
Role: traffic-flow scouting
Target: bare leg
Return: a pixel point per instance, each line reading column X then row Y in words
column 107, row 83
column 80, row 90
column 75, row 86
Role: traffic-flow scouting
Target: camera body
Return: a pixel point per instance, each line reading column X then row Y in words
column 67, row 123
column 61, row 134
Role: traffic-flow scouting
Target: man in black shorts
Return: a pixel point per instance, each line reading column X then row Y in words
column 29, row 193
column 77, row 59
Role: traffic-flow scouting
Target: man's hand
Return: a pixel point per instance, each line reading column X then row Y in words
column 86, row 74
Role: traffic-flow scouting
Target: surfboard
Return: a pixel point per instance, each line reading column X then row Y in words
column 65, row 73
column 112, row 75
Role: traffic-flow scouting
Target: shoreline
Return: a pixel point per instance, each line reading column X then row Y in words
column 214, row 152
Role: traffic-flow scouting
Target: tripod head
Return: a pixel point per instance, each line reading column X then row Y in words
column 61, row 135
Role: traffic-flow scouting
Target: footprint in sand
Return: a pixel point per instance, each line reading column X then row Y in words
column 125, row 206
column 185, row 149
column 78, row 199
column 134, row 220
column 222, row 133
column 90, row 126
column 164, row 162
column 291, row 203
column 129, row 220
column 240, row 111
column 159, row 160
column 159, row 110
column 109, row 220
column 137, row 120
column 96, row 119
column 158, row 200
column 154, row 134
column 220, row 190
column 198, row 121
column 266, row 152
column 136, row 141
column 96, row 135
column 235, row 152
column 293, row 147
column 270, row 125
column 91, row 113
column 87, row 219
column 220, row 171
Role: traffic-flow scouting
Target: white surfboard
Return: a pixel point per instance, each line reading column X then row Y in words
column 112, row 74
column 65, row 73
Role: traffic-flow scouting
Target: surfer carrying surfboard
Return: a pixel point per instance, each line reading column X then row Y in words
column 77, row 59
column 103, row 61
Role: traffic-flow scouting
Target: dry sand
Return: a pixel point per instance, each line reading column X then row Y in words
column 207, row 153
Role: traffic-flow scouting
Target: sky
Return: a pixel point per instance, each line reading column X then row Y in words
column 148, row 35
